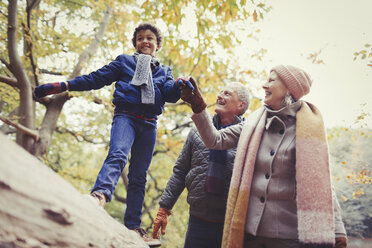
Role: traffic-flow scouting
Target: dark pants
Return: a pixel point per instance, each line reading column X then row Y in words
column 137, row 136
column 203, row 234
column 262, row 242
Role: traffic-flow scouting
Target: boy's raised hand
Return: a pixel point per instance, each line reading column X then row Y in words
column 193, row 97
column 49, row 89
column 183, row 83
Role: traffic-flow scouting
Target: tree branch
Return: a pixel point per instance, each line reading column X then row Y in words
column 18, row 70
column 89, row 51
column 32, row 4
column 28, row 38
column 10, row 81
column 44, row 100
column 160, row 151
column 106, row 104
column 33, row 133
column 76, row 136
column 120, row 199
column 184, row 125
column 195, row 65
column 6, row 63
column 50, row 72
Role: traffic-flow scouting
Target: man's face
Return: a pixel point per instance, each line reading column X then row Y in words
column 146, row 42
column 228, row 104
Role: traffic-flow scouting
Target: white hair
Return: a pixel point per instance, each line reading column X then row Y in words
column 242, row 91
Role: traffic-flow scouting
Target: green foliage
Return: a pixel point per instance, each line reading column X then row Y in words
column 10, row 97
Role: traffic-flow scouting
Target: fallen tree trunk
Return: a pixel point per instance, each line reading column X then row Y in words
column 40, row 209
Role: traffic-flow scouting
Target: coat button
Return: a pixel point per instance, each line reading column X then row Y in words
column 267, row 175
column 281, row 131
column 272, row 152
column 262, row 199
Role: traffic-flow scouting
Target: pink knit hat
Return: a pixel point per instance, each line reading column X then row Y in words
column 295, row 79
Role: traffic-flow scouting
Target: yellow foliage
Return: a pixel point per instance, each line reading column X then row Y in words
column 254, row 104
column 358, row 193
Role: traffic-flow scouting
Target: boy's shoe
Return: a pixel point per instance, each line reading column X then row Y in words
column 100, row 198
column 148, row 240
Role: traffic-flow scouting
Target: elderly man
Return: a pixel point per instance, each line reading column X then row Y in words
column 206, row 174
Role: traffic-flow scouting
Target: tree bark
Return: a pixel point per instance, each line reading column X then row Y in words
column 39, row 209
column 26, row 112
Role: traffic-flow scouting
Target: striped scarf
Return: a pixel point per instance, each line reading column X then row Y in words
column 314, row 196
column 215, row 181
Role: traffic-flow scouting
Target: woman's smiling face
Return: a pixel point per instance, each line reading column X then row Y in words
column 275, row 91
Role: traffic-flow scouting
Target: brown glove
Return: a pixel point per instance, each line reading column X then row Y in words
column 193, row 97
column 161, row 220
column 341, row 242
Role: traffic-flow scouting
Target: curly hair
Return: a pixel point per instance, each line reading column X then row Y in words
column 153, row 28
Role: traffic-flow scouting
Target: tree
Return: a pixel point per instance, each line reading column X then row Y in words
column 37, row 142
column 57, row 40
column 44, row 38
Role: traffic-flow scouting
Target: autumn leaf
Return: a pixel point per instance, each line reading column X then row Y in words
column 254, row 16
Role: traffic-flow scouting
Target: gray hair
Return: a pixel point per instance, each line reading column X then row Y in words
column 242, row 91
column 288, row 100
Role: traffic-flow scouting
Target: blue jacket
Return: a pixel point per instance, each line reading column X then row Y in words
column 126, row 96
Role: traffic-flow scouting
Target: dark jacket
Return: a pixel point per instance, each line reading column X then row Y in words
column 126, row 96
column 190, row 171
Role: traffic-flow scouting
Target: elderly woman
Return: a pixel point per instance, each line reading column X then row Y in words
column 281, row 195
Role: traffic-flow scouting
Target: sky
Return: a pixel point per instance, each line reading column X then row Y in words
column 294, row 29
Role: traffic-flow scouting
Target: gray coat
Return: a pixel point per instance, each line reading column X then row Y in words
column 272, row 223
column 190, row 171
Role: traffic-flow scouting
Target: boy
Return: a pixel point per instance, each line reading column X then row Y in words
column 142, row 87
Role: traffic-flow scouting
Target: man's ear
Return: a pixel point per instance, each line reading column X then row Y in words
column 242, row 106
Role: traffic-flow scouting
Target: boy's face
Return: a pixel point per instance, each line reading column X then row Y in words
column 146, row 42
